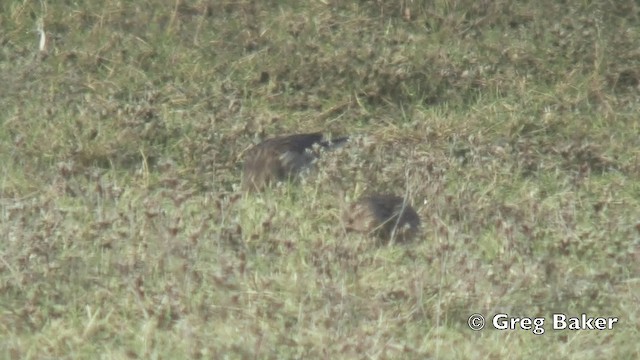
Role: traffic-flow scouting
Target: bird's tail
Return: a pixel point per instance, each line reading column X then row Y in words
column 334, row 143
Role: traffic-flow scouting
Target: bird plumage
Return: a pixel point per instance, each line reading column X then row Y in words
column 281, row 158
column 387, row 217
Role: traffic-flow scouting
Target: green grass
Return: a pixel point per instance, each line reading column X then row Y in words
column 513, row 127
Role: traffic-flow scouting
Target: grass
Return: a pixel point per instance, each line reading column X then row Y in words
column 513, row 127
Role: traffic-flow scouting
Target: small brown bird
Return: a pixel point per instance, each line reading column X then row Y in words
column 387, row 217
column 281, row 158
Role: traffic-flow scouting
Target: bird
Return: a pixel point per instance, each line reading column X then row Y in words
column 282, row 158
column 387, row 217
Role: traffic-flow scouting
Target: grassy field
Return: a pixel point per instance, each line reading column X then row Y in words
column 512, row 126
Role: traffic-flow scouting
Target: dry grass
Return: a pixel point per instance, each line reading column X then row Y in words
column 512, row 128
